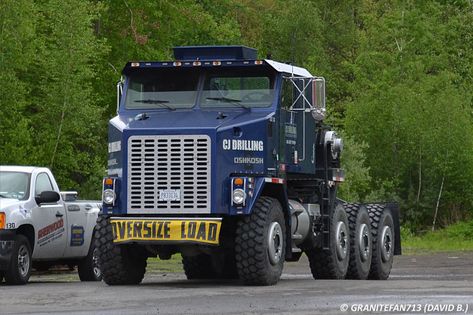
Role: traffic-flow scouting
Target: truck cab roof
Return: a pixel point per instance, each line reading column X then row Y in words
column 19, row 168
column 217, row 56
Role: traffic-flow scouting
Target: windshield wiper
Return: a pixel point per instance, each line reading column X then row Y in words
column 3, row 196
column 157, row 102
column 228, row 100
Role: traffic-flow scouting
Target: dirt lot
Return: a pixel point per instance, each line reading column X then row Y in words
column 420, row 284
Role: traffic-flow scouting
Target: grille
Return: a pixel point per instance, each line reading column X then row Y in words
column 159, row 165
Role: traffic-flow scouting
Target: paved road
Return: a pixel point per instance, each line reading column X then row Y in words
column 428, row 281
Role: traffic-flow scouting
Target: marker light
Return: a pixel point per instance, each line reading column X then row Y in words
column 238, row 181
column 108, row 181
column 177, row 63
column 238, row 196
column 2, row 220
column 108, row 196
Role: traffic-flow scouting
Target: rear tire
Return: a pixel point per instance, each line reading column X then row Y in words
column 360, row 241
column 198, row 267
column 382, row 230
column 332, row 263
column 119, row 264
column 89, row 268
column 260, row 243
column 21, row 263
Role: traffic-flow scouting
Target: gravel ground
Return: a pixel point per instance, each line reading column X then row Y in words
column 420, row 284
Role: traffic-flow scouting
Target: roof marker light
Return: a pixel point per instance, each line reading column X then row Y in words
column 197, row 63
column 258, row 62
column 135, row 64
column 177, row 63
column 216, row 63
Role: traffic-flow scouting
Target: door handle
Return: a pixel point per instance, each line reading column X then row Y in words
column 59, row 215
column 88, row 207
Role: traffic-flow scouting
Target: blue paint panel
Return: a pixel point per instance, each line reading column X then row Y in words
column 77, row 235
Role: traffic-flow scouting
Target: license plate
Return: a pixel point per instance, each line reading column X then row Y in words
column 169, row 195
column 166, row 230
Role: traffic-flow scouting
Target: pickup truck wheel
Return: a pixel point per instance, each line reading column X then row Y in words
column 382, row 230
column 360, row 241
column 119, row 264
column 19, row 270
column 89, row 268
column 260, row 243
column 332, row 263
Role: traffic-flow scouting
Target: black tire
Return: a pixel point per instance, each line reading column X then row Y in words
column 215, row 266
column 88, row 268
column 360, row 241
column 332, row 263
column 198, row 267
column 19, row 270
column 252, row 243
column 119, row 265
column 382, row 231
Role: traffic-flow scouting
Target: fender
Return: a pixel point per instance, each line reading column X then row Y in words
column 275, row 188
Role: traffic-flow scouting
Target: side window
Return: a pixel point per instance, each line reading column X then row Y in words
column 43, row 183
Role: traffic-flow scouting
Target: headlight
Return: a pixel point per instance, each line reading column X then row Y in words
column 108, row 196
column 238, row 196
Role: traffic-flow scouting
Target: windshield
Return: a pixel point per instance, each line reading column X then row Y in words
column 239, row 90
column 167, row 88
column 14, row 185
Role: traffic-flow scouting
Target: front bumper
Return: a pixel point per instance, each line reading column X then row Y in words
column 7, row 241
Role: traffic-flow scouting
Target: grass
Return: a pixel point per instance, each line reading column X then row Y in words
column 456, row 237
column 173, row 265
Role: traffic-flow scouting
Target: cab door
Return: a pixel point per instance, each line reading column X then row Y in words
column 50, row 222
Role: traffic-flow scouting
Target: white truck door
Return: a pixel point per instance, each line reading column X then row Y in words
column 50, row 223
column 80, row 228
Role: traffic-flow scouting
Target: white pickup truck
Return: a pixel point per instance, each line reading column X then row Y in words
column 41, row 226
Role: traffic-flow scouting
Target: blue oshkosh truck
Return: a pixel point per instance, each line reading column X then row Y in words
column 224, row 158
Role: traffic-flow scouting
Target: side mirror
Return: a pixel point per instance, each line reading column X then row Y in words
column 318, row 98
column 119, row 92
column 47, row 197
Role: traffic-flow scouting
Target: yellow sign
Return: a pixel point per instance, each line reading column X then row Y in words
column 196, row 231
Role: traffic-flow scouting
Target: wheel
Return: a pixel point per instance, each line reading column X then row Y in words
column 260, row 243
column 215, row 266
column 360, row 241
column 89, row 268
column 19, row 270
column 382, row 231
column 198, row 267
column 332, row 263
column 119, row 264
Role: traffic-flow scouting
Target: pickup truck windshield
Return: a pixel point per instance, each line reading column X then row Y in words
column 14, row 185
column 167, row 88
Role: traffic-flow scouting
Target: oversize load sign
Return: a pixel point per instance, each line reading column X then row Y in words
column 196, row 231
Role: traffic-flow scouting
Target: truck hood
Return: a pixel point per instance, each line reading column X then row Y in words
column 190, row 120
column 8, row 203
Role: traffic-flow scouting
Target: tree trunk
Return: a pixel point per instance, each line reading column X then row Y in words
column 437, row 206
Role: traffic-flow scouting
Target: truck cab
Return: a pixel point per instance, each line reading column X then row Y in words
column 204, row 145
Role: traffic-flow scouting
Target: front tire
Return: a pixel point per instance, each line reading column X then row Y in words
column 19, row 270
column 89, row 268
column 260, row 243
column 332, row 263
column 119, row 264
column 382, row 229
